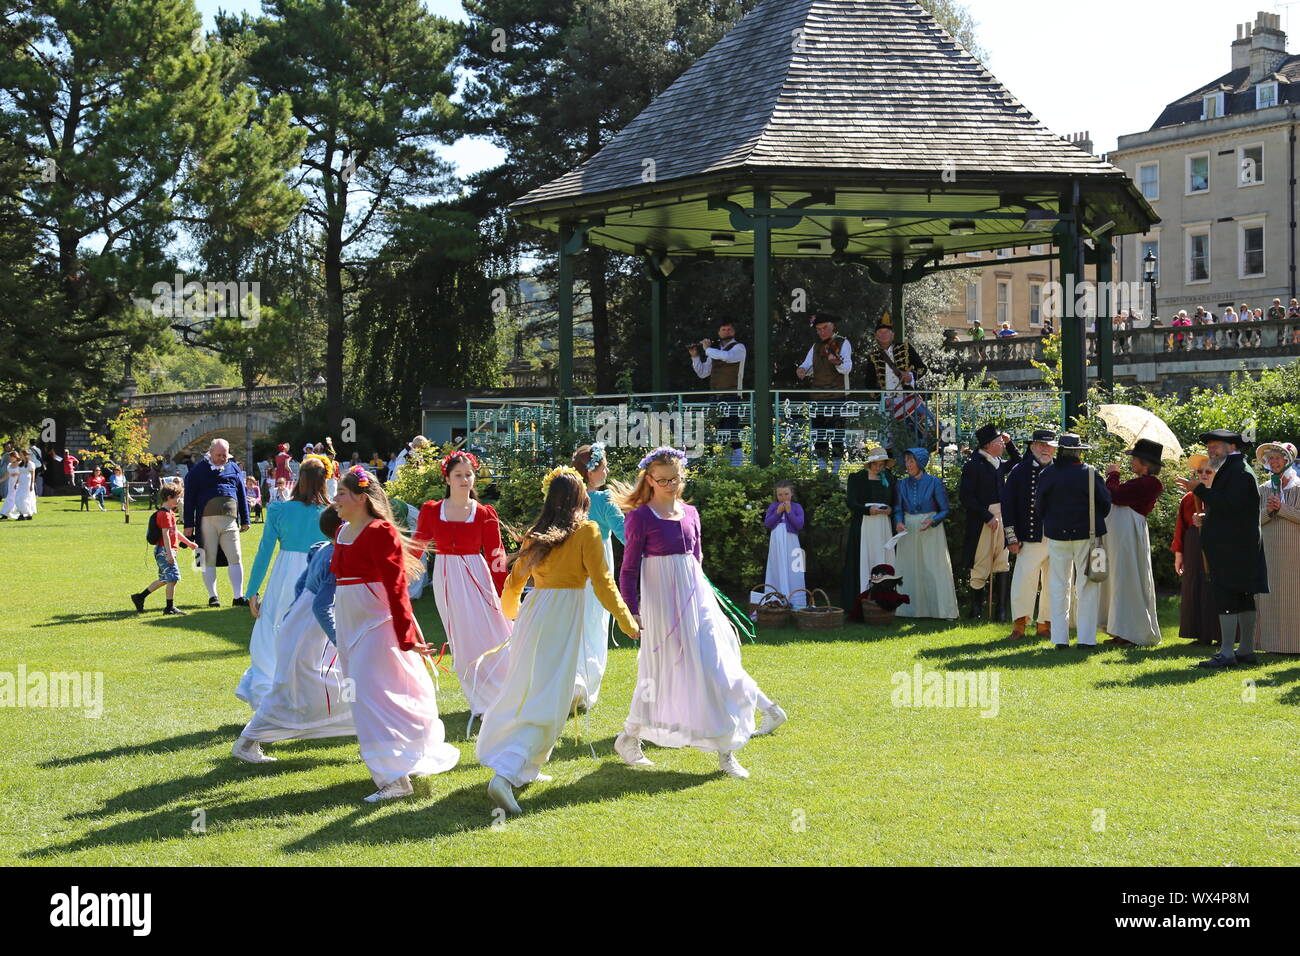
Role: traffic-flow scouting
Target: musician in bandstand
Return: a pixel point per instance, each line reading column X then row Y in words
column 724, row 366
column 828, row 363
column 896, row 369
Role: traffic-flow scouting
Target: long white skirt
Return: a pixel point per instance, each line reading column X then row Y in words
column 1130, row 606
column 306, row 699
column 395, row 707
column 11, row 499
column 595, row 641
column 785, row 564
column 259, row 676
column 27, row 496
column 876, row 530
column 521, row 726
column 691, row 689
column 926, row 569
column 479, row 633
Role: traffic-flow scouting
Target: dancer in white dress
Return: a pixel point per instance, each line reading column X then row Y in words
column 27, row 488
column 306, row 700
column 692, row 690
column 379, row 642
column 469, row 571
column 592, row 464
column 562, row 552
column 13, row 476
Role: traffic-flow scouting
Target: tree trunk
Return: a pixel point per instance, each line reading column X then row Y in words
column 597, row 258
column 250, row 383
column 335, row 328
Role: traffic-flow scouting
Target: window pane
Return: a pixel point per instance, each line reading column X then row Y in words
column 1252, row 164
column 1149, row 177
column 1199, row 167
column 972, row 302
column 1035, row 305
column 1200, row 264
column 1253, row 250
column 1003, row 305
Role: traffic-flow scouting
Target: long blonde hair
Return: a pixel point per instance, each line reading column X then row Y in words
column 562, row 514
column 378, row 507
column 643, row 491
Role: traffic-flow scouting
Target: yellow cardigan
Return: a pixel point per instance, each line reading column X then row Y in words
column 570, row 565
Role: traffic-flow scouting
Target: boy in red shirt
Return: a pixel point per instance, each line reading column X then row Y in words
column 164, row 552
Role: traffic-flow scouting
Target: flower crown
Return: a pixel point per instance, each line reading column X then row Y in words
column 325, row 462
column 445, row 464
column 597, row 455
column 662, row 452
column 362, row 476
column 561, row 470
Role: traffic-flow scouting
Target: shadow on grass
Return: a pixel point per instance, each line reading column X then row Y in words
column 195, row 656
column 469, row 808
column 851, row 632
column 196, row 740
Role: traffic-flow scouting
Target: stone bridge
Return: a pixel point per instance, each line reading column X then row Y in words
column 187, row 422
column 1166, row 361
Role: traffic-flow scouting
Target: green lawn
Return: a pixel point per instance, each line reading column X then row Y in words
column 1122, row 757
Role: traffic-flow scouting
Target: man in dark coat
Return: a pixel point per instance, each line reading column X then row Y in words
column 216, row 513
column 1232, row 545
column 1063, row 501
column 896, row 369
column 984, row 551
column 1023, row 525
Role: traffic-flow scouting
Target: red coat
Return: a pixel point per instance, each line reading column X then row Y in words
column 1140, row 494
column 1188, row 507
column 376, row 556
column 480, row 535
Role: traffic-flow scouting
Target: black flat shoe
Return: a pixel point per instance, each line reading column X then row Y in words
column 138, row 601
column 239, row 602
column 214, row 602
column 1218, row 660
column 173, row 611
column 1061, row 647
column 1247, row 659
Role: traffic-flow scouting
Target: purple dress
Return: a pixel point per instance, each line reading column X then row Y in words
column 692, row 690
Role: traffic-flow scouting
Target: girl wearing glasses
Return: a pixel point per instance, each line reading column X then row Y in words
column 1198, row 619
column 692, row 690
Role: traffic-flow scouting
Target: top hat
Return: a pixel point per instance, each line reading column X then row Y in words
column 1147, row 450
column 1043, row 434
column 1222, row 434
column 1068, row 441
column 986, row 434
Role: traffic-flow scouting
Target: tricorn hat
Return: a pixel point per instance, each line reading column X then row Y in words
column 884, row 572
column 886, row 322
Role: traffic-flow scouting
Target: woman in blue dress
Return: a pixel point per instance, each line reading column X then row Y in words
column 591, row 462
column 295, row 526
column 922, row 555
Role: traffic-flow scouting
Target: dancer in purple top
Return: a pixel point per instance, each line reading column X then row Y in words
column 692, row 690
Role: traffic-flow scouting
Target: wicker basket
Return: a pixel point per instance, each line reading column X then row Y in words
column 773, row 610
column 814, row 618
column 873, row 613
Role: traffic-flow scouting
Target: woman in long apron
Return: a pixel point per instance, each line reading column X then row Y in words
column 379, row 642
column 692, row 689
column 870, row 495
column 1197, row 618
column 306, row 700
column 562, row 553
column 469, row 570
column 922, row 558
column 295, row 526
column 592, row 464
column 1277, row 626
column 1130, row 616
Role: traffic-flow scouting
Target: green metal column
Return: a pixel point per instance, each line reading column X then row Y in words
column 658, row 311
column 1106, row 305
column 762, row 330
column 896, row 300
column 1073, row 329
column 565, row 306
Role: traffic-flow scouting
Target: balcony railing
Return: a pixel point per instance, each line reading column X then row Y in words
column 264, row 396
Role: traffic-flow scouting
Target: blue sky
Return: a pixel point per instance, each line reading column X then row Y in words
column 1106, row 66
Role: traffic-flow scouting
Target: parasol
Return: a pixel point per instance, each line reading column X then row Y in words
column 1130, row 423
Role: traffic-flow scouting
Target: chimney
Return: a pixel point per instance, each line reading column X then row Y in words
column 1241, row 47
column 1081, row 140
column 1267, row 46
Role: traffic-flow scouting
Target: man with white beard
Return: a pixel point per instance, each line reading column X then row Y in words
column 1024, row 533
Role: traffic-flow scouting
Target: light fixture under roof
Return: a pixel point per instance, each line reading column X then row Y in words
column 723, row 238
column 1041, row 220
column 921, row 241
column 961, row 227
column 810, row 247
column 874, row 222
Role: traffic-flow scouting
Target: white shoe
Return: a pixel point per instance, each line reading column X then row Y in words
column 503, row 796
column 249, row 751
column 543, row 778
column 401, row 787
column 578, row 704
column 727, row 763
column 773, row 718
column 629, row 748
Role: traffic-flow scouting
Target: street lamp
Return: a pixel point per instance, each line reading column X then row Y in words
column 1149, row 272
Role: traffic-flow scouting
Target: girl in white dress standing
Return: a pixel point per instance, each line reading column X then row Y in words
column 379, row 642
column 13, row 474
column 27, row 488
column 692, row 690
column 563, row 553
column 590, row 462
column 785, row 559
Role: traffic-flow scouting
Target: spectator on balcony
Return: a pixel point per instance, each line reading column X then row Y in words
column 976, row 331
column 1205, row 319
column 1181, row 340
column 1047, row 326
column 1006, row 331
column 1229, row 335
column 1276, row 312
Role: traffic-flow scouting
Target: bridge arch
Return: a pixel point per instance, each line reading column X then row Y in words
column 228, row 425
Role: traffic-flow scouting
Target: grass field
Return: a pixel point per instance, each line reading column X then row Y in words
column 1119, row 757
